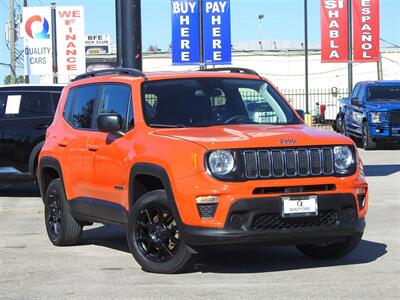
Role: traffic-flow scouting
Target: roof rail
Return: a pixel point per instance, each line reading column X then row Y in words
column 233, row 70
column 125, row 71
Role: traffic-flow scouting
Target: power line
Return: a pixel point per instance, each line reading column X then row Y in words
column 390, row 43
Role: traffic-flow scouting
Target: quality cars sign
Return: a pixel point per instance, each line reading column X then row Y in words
column 36, row 31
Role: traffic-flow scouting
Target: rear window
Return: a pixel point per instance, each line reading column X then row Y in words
column 26, row 104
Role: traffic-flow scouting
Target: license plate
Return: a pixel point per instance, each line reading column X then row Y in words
column 299, row 206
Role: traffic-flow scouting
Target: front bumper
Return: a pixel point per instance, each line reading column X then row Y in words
column 262, row 223
column 384, row 132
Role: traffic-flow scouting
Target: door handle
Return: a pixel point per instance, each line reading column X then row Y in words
column 93, row 148
column 63, row 144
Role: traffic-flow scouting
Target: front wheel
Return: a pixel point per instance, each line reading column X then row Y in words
column 331, row 250
column 154, row 237
column 367, row 142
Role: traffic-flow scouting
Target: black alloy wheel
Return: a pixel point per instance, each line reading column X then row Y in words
column 154, row 236
column 53, row 215
column 62, row 228
column 157, row 234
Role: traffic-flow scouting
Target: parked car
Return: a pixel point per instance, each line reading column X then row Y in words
column 372, row 113
column 185, row 161
column 25, row 113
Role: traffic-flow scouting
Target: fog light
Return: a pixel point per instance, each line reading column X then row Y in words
column 207, row 205
column 237, row 221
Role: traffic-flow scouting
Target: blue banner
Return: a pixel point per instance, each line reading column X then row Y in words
column 185, row 32
column 217, row 32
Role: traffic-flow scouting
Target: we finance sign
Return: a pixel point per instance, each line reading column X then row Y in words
column 201, row 32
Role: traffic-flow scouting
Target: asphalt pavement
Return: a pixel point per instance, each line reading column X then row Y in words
column 101, row 267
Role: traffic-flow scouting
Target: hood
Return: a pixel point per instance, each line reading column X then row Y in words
column 255, row 136
column 383, row 106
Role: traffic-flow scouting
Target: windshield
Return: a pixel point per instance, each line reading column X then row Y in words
column 384, row 93
column 199, row 102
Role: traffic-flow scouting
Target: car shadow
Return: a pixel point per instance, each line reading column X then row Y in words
column 381, row 170
column 19, row 190
column 249, row 260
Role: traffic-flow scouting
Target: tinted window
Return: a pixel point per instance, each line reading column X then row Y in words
column 115, row 99
column 384, row 93
column 214, row 101
column 15, row 105
column 81, row 111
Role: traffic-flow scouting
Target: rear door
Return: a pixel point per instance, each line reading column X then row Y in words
column 24, row 118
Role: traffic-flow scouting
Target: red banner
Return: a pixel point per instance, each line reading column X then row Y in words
column 366, row 30
column 334, row 35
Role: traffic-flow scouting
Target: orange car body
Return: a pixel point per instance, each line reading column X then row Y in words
column 97, row 165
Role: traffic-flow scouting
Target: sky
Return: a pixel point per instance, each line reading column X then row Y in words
column 283, row 20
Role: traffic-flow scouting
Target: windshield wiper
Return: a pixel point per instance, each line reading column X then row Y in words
column 168, row 125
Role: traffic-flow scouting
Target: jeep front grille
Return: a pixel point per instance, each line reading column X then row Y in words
column 289, row 162
column 395, row 118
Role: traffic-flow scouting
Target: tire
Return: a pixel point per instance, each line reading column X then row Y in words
column 154, row 237
column 366, row 142
column 62, row 229
column 331, row 250
column 343, row 129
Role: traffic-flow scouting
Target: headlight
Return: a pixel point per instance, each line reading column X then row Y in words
column 379, row 117
column 343, row 159
column 221, row 162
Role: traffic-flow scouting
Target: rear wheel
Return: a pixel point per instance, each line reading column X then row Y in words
column 62, row 228
column 331, row 250
column 367, row 142
column 154, row 237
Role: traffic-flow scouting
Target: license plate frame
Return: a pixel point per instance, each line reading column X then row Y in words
column 299, row 206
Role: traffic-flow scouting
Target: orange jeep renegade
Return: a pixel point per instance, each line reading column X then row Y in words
column 197, row 159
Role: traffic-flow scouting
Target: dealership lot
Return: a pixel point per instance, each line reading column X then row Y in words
column 102, row 267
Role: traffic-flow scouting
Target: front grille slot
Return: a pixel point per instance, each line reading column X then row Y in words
column 294, row 189
column 274, row 221
column 288, row 162
column 395, row 118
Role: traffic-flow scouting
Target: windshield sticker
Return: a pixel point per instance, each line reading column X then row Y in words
column 13, row 104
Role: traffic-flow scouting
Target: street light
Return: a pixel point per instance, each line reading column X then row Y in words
column 260, row 18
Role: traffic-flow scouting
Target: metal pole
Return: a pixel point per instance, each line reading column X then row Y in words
column 54, row 42
column 350, row 42
column 118, row 18
column 132, row 34
column 306, row 52
column 201, row 37
column 11, row 29
column 26, row 77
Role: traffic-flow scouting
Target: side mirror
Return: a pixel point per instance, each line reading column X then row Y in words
column 110, row 123
column 301, row 113
column 355, row 101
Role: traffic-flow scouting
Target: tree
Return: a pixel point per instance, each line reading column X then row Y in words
column 19, row 79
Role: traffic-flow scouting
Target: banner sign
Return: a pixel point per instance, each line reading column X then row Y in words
column 334, row 35
column 185, row 32
column 70, row 40
column 366, row 30
column 36, row 31
column 217, row 32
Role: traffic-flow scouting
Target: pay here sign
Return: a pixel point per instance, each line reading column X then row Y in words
column 211, row 18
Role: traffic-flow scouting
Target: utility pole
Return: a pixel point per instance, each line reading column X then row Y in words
column 131, row 34
column 350, row 41
column 306, row 52
column 26, row 77
column 11, row 28
column 54, row 41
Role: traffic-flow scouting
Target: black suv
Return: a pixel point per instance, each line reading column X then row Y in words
column 25, row 113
